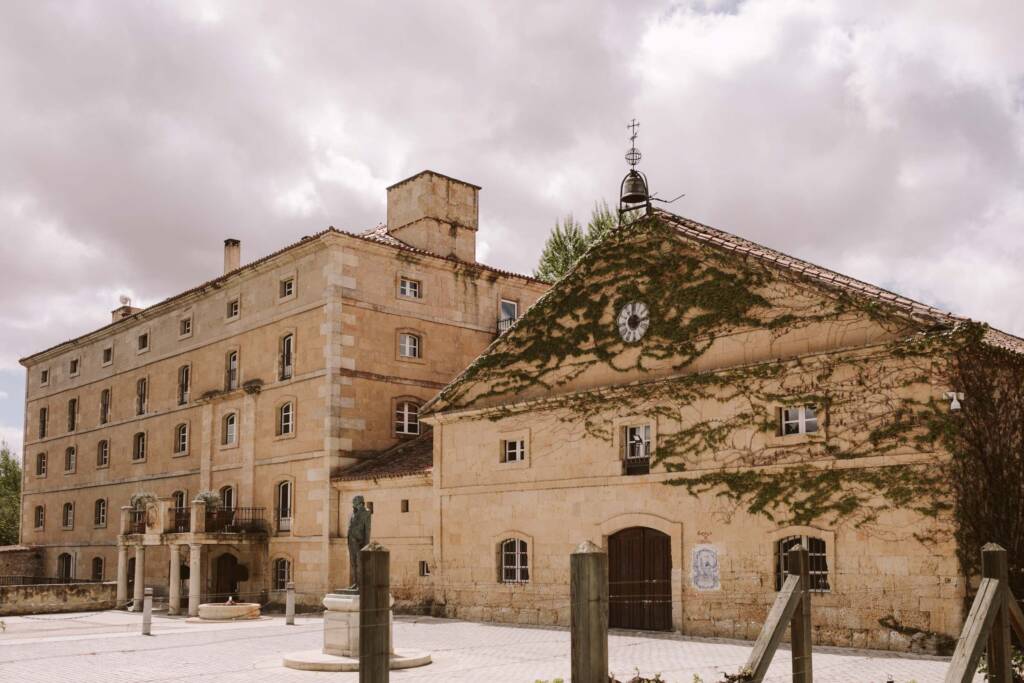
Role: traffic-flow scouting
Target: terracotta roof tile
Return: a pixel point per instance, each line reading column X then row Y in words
column 405, row 459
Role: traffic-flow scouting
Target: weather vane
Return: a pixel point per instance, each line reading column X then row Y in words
column 633, row 155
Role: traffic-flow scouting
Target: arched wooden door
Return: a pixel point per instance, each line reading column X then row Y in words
column 640, row 579
column 226, row 578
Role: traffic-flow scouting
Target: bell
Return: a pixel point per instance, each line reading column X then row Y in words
column 634, row 189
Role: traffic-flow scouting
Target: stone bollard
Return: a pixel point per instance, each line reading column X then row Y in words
column 289, row 604
column 147, row 612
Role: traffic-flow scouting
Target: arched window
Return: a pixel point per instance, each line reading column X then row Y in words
column 227, row 497
column 178, row 498
column 69, row 459
column 282, row 573
column 284, row 505
column 105, row 406
column 181, row 438
column 67, row 516
column 184, row 382
column 228, row 431
column 409, row 345
column 97, row 569
column 139, row 446
column 816, row 558
column 515, row 563
column 100, row 512
column 141, row 392
column 407, row 418
column 41, row 464
column 287, row 355
column 65, row 567
column 102, row 453
column 231, row 371
column 285, row 419
column 40, row 516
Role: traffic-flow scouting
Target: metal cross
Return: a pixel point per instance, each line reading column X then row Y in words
column 633, row 125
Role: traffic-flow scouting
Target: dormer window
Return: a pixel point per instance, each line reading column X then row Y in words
column 409, row 288
column 798, row 420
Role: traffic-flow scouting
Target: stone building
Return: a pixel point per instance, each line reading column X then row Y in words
column 697, row 404
column 258, row 386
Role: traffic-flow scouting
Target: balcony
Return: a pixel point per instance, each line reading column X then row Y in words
column 136, row 521
column 235, row 520
column 180, row 519
column 506, row 323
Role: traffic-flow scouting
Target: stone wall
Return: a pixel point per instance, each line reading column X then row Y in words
column 61, row 597
column 20, row 560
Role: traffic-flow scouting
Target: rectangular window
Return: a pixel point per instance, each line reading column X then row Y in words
column 410, row 289
column 513, row 450
column 143, row 341
column 103, row 453
column 508, row 312
column 73, row 367
column 405, row 505
column 41, row 465
column 798, row 420
column 287, row 287
column 105, row 406
column 139, row 446
column 185, row 327
column 408, row 346
column 141, row 391
column 108, row 355
column 287, row 356
column 40, row 516
column 72, row 414
column 231, row 380
column 184, row 381
column 44, row 377
column 636, row 449
column 424, row 568
column 234, row 307
column 70, row 459
column 44, row 414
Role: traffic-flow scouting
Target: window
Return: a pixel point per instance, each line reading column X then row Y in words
column 41, row 464
column 105, row 406
column 286, row 287
column 407, row 418
column 227, row 431
column 72, row 414
column 40, row 516
column 143, row 341
column 369, row 506
column 141, row 392
column 424, row 568
column 799, row 420
column 284, row 506
column 184, row 382
column 508, row 312
column 636, row 449
column 178, row 499
column 231, row 380
column 227, row 497
column 44, row 377
column 97, row 569
column 69, row 459
column 287, row 355
column 285, row 419
column 44, row 414
column 73, row 367
column 816, row 558
column 108, row 355
column 181, row 438
column 405, row 505
column 185, row 327
column 409, row 345
column 67, row 516
column 513, row 450
column 103, row 453
column 410, row 289
column 515, row 566
column 100, row 512
column 234, row 307
column 282, row 573
column 139, row 446
column 65, row 567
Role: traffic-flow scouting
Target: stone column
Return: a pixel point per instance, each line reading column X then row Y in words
column 140, row 577
column 195, row 568
column 174, row 590
column 122, row 576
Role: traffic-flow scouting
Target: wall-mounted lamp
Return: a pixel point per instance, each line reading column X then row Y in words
column 954, row 399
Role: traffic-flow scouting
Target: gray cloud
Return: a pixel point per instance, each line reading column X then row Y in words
column 884, row 140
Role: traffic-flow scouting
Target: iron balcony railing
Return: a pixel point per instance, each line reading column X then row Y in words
column 136, row 521
column 236, row 520
column 637, row 460
column 505, row 323
column 284, row 520
column 181, row 520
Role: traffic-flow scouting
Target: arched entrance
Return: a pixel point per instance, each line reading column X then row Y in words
column 225, row 577
column 640, row 579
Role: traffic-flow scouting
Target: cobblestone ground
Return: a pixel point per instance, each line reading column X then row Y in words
column 107, row 647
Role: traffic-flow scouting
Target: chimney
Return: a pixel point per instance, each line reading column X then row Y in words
column 435, row 213
column 122, row 312
column 232, row 254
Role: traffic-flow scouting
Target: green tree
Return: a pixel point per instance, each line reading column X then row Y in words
column 10, row 496
column 568, row 240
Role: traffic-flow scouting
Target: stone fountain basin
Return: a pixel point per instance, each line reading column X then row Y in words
column 224, row 612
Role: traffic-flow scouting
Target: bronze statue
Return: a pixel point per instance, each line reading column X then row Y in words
column 358, row 536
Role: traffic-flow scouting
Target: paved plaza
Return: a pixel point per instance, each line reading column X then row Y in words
column 107, row 647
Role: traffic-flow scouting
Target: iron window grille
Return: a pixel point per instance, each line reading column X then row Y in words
column 816, row 556
column 282, row 573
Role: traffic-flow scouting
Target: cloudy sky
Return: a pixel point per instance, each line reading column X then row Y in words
column 885, row 140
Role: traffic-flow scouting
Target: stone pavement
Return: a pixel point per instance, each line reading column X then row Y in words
column 107, row 647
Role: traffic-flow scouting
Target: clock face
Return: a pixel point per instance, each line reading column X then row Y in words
column 633, row 320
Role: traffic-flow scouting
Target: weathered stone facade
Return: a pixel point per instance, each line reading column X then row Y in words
column 59, row 597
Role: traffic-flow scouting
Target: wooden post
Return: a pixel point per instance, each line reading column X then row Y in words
column 588, row 596
column 374, row 613
column 994, row 566
column 147, row 612
column 800, row 622
column 289, row 604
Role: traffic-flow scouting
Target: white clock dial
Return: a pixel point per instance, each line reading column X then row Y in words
column 633, row 321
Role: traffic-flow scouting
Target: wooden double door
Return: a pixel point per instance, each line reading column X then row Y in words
column 640, row 579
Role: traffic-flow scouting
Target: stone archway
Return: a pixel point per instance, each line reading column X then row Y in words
column 640, row 579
